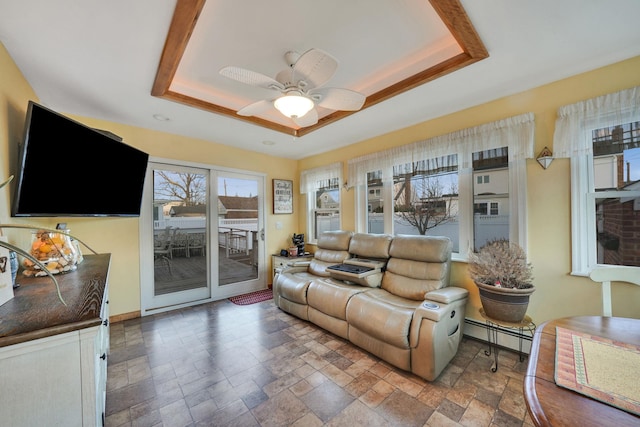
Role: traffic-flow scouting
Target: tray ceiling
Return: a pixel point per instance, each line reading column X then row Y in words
column 395, row 49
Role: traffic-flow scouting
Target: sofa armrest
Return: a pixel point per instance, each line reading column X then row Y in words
column 300, row 263
column 447, row 295
column 443, row 305
column 294, row 269
column 439, row 303
column 434, row 312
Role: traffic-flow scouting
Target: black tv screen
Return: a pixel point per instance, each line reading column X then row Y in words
column 69, row 169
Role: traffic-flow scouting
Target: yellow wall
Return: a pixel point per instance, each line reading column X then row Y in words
column 549, row 205
column 558, row 294
column 119, row 236
column 14, row 91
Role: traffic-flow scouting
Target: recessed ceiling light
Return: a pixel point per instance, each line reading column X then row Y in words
column 161, row 118
column 268, row 142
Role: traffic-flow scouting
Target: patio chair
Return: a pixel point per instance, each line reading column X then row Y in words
column 179, row 245
column 196, row 243
column 606, row 275
column 163, row 249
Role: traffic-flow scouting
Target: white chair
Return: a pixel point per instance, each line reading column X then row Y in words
column 196, row 242
column 606, row 275
column 163, row 250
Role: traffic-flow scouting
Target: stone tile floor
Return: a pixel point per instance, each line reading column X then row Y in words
column 220, row 364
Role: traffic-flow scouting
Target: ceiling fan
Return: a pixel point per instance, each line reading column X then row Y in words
column 300, row 88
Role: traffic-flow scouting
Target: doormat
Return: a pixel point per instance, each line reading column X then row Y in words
column 252, row 297
column 599, row 368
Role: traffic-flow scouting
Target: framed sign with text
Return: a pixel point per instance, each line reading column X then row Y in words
column 282, row 196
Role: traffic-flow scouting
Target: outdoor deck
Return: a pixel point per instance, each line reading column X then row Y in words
column 191, row 272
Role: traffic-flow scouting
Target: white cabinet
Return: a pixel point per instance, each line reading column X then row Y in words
column 57, row 378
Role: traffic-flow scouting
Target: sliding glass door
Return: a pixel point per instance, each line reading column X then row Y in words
column 201, row 235
column 239, row 231
column 180, row 229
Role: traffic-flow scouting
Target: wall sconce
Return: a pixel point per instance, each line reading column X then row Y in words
column 545, row 158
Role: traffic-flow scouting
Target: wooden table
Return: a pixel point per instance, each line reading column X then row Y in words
column 551, row 405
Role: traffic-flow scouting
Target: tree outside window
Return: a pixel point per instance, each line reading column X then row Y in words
column 424, row 203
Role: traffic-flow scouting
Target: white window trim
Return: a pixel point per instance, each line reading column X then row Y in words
column 573, row 138
column 517, row 133
column 308, row 185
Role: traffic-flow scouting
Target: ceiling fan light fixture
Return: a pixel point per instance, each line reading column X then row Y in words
column 293, row 104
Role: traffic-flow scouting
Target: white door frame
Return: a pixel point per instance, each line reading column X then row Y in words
column 216, row 292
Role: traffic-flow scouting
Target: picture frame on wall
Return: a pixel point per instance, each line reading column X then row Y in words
column 282, row 196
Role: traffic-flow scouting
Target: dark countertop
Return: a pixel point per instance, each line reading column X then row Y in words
column 36, row 312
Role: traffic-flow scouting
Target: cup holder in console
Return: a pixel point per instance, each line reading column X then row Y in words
column 430, row 305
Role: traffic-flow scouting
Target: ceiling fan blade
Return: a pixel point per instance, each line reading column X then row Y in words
column 255, row 108
column 338, row 99
column 309, row 119
column 249, row 77
column 285, row 77
column 315, row 67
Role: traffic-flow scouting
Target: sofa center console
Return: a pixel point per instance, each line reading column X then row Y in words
column 355, row 269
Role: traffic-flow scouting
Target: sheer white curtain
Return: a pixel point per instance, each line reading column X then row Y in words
column 573, row 138
column 516, row 132
column 570, row 138
column 310, row 179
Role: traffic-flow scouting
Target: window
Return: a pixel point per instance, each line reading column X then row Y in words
column 375, row 203
column 322, row 187
column 482, row 179
column 492, row 168
column 425, row 198
column 602, row 137
column 441, row 186
column 616, row 173
column 326, row 214
column 484, row 208
column 480, row 209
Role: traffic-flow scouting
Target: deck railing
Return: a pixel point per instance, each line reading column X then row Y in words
column 235, row 236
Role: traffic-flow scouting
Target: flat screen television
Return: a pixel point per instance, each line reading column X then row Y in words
column 69, row 169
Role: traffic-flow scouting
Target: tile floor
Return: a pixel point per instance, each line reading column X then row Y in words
column 221, row 364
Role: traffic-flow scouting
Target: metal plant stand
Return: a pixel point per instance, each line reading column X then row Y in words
column 524, row 329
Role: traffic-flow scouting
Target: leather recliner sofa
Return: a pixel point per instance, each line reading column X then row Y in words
column 406, row 313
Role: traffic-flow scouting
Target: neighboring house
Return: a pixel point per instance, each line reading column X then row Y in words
column 188, row 211
column 229, row 207
column 161, row 208
column 327, row 200
column 239, row 207
column 618, row 219
column 374, row 197
column 491, row 192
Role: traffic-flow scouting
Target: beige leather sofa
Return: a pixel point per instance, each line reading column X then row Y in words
column 406, row 314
